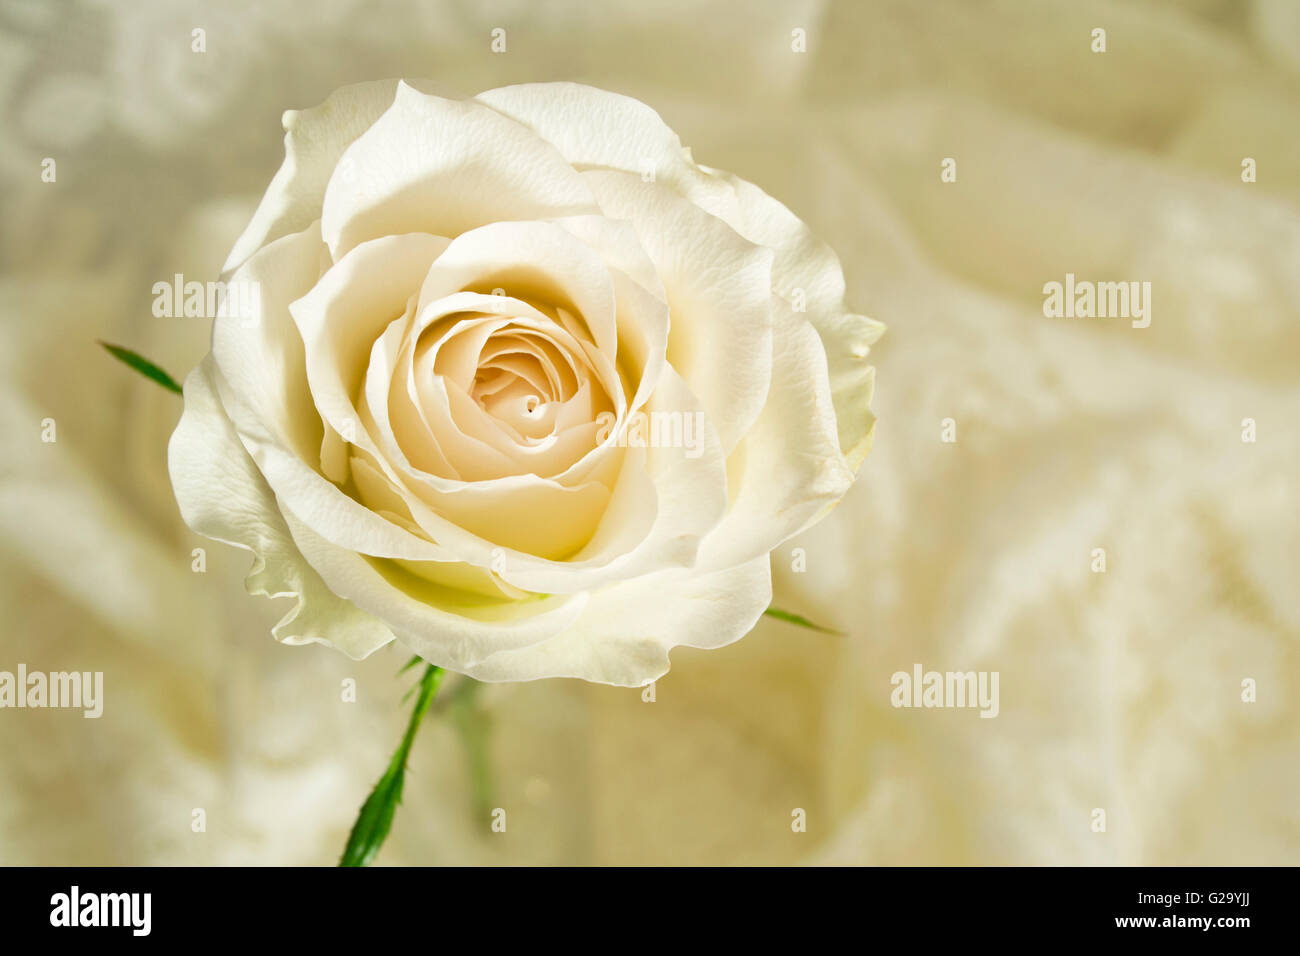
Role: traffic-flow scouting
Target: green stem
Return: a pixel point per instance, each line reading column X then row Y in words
column 376, row 815
column 474, row 726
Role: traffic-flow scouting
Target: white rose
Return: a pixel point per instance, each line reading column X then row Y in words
column 566, row 478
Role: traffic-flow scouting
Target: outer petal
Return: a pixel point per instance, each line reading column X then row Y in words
column 804, row 264
column 789, row 470
column 626, row 631
column 592, row 127
column 314, row 141
column 719, row 289
column 596, row 129
column 445, row 627
column 444, row 166
column 222, row 495
column 261, row 381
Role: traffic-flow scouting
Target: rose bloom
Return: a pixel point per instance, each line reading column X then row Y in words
column 522, row 386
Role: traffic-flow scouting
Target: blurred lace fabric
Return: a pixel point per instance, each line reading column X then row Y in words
column 1119, row 690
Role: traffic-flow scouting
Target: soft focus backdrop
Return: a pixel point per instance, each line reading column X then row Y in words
column 1119, row 690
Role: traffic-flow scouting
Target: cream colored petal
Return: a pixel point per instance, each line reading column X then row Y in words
column 338, row 319
column 625, row 633
column 439, row 377
column 430, row 164
column 666, row 500
column 427, row 617
column 688, row 485
column 529, row 515
column 590, row 126
column 535, row 517
column 619, row 245
column 806, row 269
column 376, row 490
column 523, row 513
column 314, row 141
column 262, row 383
column 643, row 331
column 547, row 457
column 346, row 312
column 260, row 354
column 538, row 262
column 643, row 316
column 789, row 469
column 719, row 289
column 391, row 418
column 595, row 128
column 222, row 495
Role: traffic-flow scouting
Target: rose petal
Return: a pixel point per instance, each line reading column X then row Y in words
column 803, row 262
column 430, row 164
column 596, row 129
column 445, row 628
column 314, row 140
column 260, row 355
column 719, row 290
column 789, row 469
column 643, row 317
column 348, row 309
column 222, row 495
column 624, row 634
column 538, row 262
column 665, row 501
column 253, row 366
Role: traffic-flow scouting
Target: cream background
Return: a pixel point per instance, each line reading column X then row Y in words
column 1118, row 691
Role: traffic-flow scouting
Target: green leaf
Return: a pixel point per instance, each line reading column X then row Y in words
column 791, row 618
column 142, row 365
column 376, row 816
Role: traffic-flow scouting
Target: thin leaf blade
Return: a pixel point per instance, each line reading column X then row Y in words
column 799, row 620
column 142, row 365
